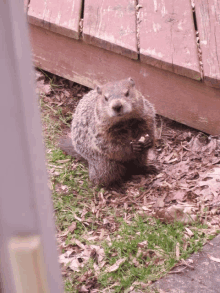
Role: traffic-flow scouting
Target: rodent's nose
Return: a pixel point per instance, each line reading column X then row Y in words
column 117, row 107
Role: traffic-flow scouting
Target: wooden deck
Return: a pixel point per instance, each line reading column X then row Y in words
column 153, row 41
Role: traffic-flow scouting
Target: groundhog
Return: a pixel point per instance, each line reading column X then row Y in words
column 113, row 128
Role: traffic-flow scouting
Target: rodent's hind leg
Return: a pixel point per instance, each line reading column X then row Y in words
column 65, row 144
column 106, row 172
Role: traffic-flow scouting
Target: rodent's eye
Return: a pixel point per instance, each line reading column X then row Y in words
column 126, row 93
column 106, row 97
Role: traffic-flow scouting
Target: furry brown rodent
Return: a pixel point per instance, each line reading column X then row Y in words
column 113, row 128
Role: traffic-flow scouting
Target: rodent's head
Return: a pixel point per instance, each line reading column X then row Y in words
column 115, row 99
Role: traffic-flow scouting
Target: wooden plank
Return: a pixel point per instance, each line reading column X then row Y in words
column 59, row 16
column 208, row 21
column 111, row 24
column 167, row 36
column 174, row 96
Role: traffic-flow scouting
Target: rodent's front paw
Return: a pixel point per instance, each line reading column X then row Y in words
column 137, row 146
column 142, row 144
column 148, row 143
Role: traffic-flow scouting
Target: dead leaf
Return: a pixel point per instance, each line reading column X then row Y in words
column 66, row 93
column 77, row 242
column 42, row 88
column 160, row 201
column 77, row 218
column 39, row 75
column 214, row 258
column 168, row 158
column 135, row 262
column 202, row 143
column 209, row 185
column 72, row 227
column 83, row 289
column 172, row 161
column 63, row 161
column 191, row 196
column 96, row 267
column 143, row 244
column 78, row 260
column 189, row 232
column 176, row 213
column 146, row 208
column 179, row 195
column 64, row 188
column 115, row 266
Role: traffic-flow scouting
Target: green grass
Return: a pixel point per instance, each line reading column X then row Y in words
column 152, row 260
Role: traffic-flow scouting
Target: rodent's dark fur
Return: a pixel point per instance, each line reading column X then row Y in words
column 106, row 130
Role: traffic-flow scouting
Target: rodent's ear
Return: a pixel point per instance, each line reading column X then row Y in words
column 99, row 90
column 131, row 81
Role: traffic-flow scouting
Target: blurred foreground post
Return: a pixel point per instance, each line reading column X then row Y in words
column 28, row 253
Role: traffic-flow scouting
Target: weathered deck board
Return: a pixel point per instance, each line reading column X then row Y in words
column 111, row 24
column 167, row 36
column 58, row 16
column 176, row 97
column 208, row 20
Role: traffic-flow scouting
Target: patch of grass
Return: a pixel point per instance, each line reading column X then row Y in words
column 70, row 187
column 149, row 248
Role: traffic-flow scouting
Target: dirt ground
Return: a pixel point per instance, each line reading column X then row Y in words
column 187, row 186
